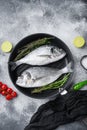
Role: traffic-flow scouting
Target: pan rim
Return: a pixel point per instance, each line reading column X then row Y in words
column 71, row 56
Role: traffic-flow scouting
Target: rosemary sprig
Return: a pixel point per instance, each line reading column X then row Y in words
column 55, row 85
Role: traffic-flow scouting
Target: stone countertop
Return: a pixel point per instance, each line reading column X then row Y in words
column 18, row 18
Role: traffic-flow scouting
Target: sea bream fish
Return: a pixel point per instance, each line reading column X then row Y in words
column 41, row 56
column 40, row 76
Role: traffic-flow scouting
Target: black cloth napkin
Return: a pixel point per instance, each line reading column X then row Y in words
column 64, row 109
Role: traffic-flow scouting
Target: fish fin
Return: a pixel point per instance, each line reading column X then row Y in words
column 49, row 56
column 38, row 78
column 13, row 65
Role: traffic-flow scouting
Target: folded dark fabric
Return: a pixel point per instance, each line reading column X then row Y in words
column 64, row 109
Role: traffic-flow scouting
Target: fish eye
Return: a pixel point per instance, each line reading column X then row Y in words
column 52, row 50
column 22, row 76
column 28, row 74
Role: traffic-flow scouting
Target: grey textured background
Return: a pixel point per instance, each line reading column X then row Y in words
column 19, row 18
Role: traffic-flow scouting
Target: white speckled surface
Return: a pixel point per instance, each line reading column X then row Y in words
column 19, row 18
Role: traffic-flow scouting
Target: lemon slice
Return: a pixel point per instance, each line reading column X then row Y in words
column 79, row 41
column 6, row 46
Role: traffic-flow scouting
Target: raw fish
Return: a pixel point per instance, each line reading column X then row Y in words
column 41, row 56
column 40, row 76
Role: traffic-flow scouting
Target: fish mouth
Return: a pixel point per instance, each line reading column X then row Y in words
column 63, row 54
column 19, row 81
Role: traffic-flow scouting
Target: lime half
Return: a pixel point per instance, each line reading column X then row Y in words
column 79, row 41
column 6, row 46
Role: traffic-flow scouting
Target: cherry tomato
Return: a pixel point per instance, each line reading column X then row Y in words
column 14, row 94
column 4, row 87
column 4, row 93
column 9, row 90
column 0, row 90
column 1, row 84
column 8, row 97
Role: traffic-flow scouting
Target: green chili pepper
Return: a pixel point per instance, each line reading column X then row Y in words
column 80, row 85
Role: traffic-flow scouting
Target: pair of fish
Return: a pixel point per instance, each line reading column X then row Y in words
column 40, row 76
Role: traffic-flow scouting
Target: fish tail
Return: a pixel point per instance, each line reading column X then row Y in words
column 68, row 68
column 13, row 65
